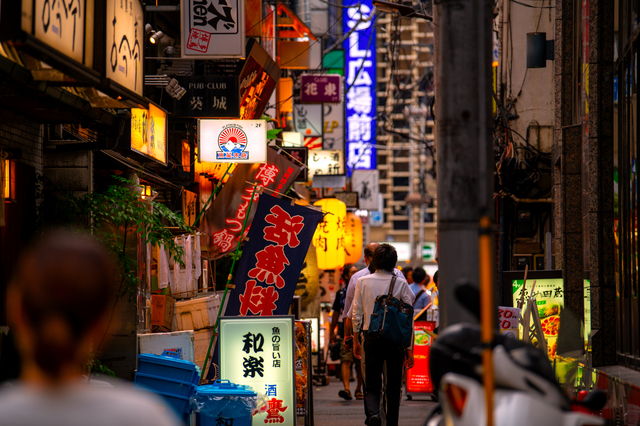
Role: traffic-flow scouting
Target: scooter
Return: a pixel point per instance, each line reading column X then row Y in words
column 526, row 392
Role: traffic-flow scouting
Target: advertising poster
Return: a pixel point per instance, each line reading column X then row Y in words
column 360, row 69
column 303, row 367
column 308, row 286
column 223, row 220
column 333, row 134
column 509, row 321
column 307, row 119
column 273, row 257
column 418, row 377
column 329, row 285
column 549, row 294
column 259, row 352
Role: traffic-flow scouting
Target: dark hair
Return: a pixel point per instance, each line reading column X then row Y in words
column 436, row 277
column 385, row 258
column 345, row 273
column 419, row 274
column 405, row 272
column 64, row 284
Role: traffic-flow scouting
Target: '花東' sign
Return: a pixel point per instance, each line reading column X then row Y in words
column 232, row 141
column 258, row 352
column 212, row 30
column 320, row 89
column 360, row 48
column 272, row 258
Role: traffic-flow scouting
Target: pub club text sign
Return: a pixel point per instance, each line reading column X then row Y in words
column 232, row 141
column 258, row 352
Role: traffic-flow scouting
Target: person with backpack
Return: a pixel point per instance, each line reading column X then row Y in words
column 370, row 292
column 423, row 297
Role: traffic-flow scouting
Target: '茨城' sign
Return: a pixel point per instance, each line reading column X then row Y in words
column 360, row 71
column 258, row 352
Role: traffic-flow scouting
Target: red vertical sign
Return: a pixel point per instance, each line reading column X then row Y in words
column 418, row 378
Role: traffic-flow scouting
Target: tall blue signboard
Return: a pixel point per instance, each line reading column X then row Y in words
column 360, row 69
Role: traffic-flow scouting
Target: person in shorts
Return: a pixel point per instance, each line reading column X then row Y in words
column 346, row 354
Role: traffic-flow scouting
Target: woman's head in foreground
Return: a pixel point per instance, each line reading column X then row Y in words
column 56, row 300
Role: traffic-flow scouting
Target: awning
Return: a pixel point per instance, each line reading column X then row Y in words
column 148, row 175
column 286, row 18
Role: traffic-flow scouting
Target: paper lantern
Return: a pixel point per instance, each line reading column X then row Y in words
column 329, row 236
column 353, row 239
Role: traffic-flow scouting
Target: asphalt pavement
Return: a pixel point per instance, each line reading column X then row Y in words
column 331, row 410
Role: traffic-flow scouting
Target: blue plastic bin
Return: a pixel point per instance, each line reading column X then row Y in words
column 168, row 367
column 224, row 400
column 160, row 384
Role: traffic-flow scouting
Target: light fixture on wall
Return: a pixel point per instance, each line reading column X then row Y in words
column 9, row 181
column 174, row 89
column 154, row 36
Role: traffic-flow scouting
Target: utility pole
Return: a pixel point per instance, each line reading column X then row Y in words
column 463, row 129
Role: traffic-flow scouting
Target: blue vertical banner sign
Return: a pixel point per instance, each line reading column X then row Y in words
column 360, row 70
column 272, row 259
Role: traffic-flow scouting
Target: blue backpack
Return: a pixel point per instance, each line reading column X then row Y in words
column 391, row 319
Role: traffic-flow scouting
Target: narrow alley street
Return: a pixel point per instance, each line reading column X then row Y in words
column 331, row 410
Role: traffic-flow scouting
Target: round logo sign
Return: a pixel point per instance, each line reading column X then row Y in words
column 232, row 140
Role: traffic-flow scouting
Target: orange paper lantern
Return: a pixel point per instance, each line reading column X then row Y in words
column 329, row 236
column 353, row 239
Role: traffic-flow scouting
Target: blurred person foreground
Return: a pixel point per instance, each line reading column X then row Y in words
column 57, row 304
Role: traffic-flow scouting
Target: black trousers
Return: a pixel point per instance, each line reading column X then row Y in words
column 377, row 352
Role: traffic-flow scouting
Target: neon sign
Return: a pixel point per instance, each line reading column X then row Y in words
column 361, row 86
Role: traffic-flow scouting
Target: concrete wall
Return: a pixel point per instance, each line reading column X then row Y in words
column 530, row 91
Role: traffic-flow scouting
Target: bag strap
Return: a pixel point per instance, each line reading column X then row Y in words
column 420, row 293
column 393, row 282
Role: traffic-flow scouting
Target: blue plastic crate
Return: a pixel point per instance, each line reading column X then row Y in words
column 168, row 367
column 161, row 384
column 224, row 408
column 180, row 404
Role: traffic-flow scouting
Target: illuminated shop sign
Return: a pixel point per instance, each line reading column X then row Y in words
column 149, row 132
column 232, row 141
column 212, row 30
column 258, row 352
column 361, row 84
column 125, row 43
column 322, row 88
column 59, row 24
column 322, row 162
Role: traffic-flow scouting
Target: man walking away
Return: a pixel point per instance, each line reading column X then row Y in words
column 423, row 297
column 378, row 350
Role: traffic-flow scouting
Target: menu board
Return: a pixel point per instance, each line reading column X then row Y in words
column 549, row 295
column 418, row 377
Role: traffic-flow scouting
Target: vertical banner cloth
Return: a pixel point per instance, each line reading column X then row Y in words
column 270, row 266
column 225, row 216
